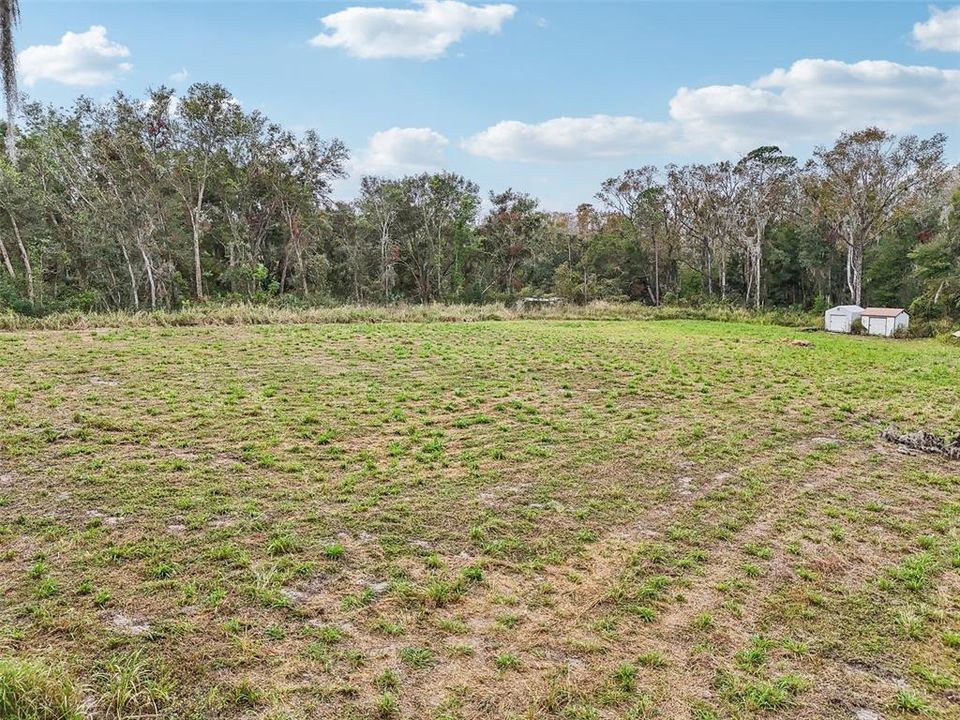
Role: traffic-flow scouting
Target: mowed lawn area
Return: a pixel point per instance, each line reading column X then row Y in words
column 522, row 519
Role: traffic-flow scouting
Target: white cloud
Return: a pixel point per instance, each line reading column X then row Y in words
column 180, row 76
column 815, row 100
column 424, row 33
column 402, row 150
column 568, row 138
column 940, row 32
column 811, row 101
column 87, row 58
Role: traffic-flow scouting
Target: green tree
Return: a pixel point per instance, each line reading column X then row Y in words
column 937, row 267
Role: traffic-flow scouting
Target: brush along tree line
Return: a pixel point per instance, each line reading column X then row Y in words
column 162, row 201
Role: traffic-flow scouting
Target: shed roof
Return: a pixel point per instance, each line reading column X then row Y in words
column 883, row 312
column 850, row 308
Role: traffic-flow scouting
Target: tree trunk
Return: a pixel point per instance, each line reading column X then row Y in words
column 284, row 260
column 757, row 269
column 936, row 295
column 706, row 264
column 656, row 270
column 11, row 140
column 133, row 278
column 855, row 270
column 723, row 276
column 197, row 272
column 384, row 243
column 6, row 259
column 301, row 266
column 27, row 268
column 150, row 280
column 758, row 261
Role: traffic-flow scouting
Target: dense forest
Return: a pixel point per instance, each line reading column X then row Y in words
column 162, row 201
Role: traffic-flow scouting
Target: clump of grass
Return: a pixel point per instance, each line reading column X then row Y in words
column 472, row 573
column 38, row 570
column 508, row 621
column 132, row 688
column 282, row 543
column 910, row 701
column 387, row 706
column 334, row 551
column 760, row 694
column 387, row 680
column 417, row 657
column 452, row 626
column 652, row 659
column 162, row 570
column 703, row 621
column 358, row 600
column 911, row 623
column 795, row 647
column 507, row 661
column 642, row 708
column 245, row 694
column 440, row 592
column 387, row 627
column 47, row 588
column 644, row 612
column 328, row 634
column 915, row 571
column 626, row 676
column 30, row 690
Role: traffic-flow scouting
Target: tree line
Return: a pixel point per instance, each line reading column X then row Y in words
column 141, row 203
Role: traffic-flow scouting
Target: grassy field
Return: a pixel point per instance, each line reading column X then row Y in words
column 566, row 519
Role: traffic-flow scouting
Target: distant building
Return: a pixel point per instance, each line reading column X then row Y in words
column 884, row 321
column 841, row 318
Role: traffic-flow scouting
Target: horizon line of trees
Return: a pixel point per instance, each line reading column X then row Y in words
column 152, row 203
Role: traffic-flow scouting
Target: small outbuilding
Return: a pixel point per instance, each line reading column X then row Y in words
column 840, row 319
column 884, row 321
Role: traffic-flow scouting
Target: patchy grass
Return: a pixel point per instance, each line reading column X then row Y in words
column 564, row 519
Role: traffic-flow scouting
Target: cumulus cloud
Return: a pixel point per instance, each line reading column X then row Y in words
column 87, row 58
column 940, row 32
column 424, row 33
column 568, row 138
column 180, row 76
column 815, row 100
column 402, row 150
column 811, row 101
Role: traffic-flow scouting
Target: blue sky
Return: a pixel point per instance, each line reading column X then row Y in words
column 547, row 97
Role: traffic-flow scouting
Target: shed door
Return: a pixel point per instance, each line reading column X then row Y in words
column 837, row 323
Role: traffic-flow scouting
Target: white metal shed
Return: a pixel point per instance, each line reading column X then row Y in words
column 841, row 318
column 884, row 321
